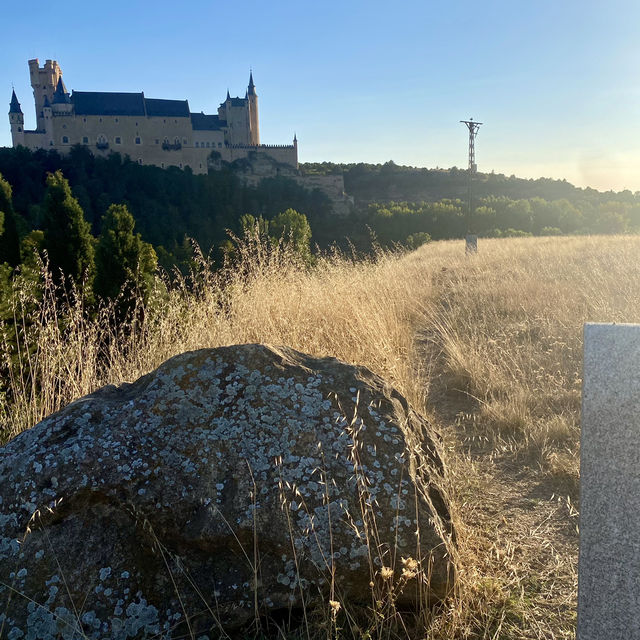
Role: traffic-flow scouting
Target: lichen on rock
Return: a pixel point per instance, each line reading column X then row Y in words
column 227, row 483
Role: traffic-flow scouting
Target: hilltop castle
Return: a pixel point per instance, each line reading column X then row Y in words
column 149, row 130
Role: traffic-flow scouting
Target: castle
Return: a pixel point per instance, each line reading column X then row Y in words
column 149, row 130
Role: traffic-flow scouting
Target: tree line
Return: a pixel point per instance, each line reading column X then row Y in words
column 389, row 181
column 171, row 207
column 393, row 205
column 500, row 216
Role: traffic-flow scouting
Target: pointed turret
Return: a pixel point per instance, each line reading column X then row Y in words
column 252, row 87
column 228, row 96
column 252, row 100
column 14, row 105
column 16, row 120
column 61, row 96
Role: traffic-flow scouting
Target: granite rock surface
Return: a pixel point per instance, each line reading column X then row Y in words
column 226, row 484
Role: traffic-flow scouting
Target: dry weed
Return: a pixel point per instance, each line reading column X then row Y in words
column 489, row 345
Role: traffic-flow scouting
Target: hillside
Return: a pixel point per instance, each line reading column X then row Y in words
column 389, row 181
column 392, row 204
column 488, row 347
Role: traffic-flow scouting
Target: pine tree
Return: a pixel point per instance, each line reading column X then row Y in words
column 124, row 262
column 67, row 236
column 9, row 242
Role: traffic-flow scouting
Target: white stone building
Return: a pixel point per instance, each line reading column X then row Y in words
column 149, row 130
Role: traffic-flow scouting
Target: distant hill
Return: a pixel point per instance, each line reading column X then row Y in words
column 389, row 181
column 392, row 204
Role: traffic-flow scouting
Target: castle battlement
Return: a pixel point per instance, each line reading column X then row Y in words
column 261, row 146
column 153, row 131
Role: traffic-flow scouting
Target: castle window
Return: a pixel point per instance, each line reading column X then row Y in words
column 197, row 145
column 139, row 160
column 157, row 141
column 162, row 164
column 100, row 119
column 136, row 124
column 85, row 140
column 84, row 119
column 181, row 165
column 219, row 145
column 64, row 126
column 19, row 128
column 118, row 140
column 65, row 139
column 207, row 145
column 117, row 120
column 184, row 141
column 138, row 141
column 201, row 165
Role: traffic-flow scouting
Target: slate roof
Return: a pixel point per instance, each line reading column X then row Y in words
column 14, row 106
column 170, row 108
column 204, row 122
column 238, row 102
column 61, row 96
column 103, row 103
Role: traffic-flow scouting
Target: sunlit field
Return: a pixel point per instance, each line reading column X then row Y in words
column 488, row 346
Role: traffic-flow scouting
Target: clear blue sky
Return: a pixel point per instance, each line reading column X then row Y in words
column 556, row 82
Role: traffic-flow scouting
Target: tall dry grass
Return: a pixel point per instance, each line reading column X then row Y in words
column 488, row 345
column 361, row 312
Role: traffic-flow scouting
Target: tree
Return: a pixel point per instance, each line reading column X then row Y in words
column 416, row 240
column 9, row 243
column 124, row 262
column 251, row 225
column 293, row 228
column 67, row 236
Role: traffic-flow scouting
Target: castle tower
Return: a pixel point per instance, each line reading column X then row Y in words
column 44, row 81
column 16, row 120
column 254, row 126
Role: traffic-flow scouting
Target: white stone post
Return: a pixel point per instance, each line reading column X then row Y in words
column 609, row 562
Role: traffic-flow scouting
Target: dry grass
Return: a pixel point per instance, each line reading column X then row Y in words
column 490, row 346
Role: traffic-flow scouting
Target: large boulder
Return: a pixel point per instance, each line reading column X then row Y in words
column 227, row 484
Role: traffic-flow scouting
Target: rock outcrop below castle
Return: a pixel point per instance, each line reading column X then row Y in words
column 228, row 484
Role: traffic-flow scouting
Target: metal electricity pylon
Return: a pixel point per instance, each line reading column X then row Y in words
column 472, row 241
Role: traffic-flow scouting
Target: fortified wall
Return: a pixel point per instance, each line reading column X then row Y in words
column 257, row 167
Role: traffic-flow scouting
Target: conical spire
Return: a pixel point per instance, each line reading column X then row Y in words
column 61, row 96
column 228, row 96
column 252, row 87
column 14, row 106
